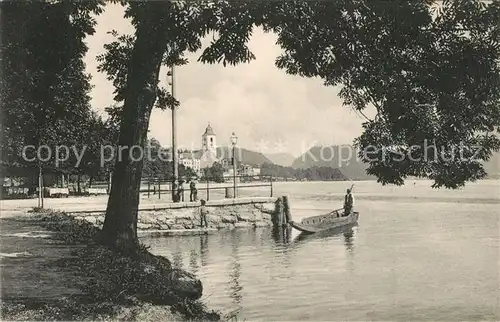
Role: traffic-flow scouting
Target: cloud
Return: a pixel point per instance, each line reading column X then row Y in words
column 255, row 100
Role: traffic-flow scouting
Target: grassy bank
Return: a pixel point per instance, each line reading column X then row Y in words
column 114, row 285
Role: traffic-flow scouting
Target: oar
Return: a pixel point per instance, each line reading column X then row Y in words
column 336, row 210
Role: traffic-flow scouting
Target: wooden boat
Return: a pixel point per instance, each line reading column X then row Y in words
column 329, row 221
column 346, row 231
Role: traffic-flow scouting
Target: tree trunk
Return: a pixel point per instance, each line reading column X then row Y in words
column 120, row 224
column 78, row 183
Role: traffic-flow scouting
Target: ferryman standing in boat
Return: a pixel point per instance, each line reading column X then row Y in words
column 348, row 202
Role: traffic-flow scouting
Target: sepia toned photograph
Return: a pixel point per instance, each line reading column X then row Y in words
column 250, row 160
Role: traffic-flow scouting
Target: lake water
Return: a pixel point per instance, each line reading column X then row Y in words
column 417, row 254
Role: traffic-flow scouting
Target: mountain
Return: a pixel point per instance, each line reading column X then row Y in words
column 310, row 174
column 356, row 170
column 328, row 156
column 244, row 156
column 283, row 159
column 342, row 157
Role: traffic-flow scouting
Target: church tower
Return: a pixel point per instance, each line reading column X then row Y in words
column 208, row 141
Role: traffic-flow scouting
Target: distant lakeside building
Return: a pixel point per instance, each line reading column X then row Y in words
column 207, row 156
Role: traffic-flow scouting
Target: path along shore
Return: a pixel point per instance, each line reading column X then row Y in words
column 39, row 283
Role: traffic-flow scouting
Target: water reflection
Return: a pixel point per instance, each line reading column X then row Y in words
column 177, row 260
column 349, row 246
column 346, row 231
column 268, row 255
column 204, row 250
column 193, row 253
column 283, row 248
column 351, row 275
column 193, row 261
column 235, row 287
column 349, row 239
column 282, row 235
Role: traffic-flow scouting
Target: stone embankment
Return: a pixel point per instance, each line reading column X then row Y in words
column 222, row 214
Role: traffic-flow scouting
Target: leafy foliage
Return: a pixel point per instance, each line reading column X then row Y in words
column 158, row 163
column 430, row 80
column 44, row 88
column 165, row 31
column 214, row 173
column 99, row 134
column 185, row 24
column 390, row 54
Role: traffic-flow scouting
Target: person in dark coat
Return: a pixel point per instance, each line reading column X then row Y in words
column 180, row 191
column 193, row 195
column 348, row 203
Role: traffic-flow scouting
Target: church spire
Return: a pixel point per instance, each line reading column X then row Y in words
column 209, row 130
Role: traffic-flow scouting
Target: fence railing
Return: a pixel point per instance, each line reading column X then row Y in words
column 206, row 188
column 209, row 188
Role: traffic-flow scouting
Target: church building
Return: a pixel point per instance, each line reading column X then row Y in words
column 208, row 147
column 206, row 156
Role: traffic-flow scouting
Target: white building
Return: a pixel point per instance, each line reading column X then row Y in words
column 208, row 148
column 250, row 171
column 200, row 160
column 190, row 161
column 204, row 158
column 209, row 141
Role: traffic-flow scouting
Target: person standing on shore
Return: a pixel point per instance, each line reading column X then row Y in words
column 203, row 214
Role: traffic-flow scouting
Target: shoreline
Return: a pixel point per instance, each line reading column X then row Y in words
column 147, row 289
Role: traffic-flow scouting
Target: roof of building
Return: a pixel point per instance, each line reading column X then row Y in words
column 191, row 155
column 209, row 130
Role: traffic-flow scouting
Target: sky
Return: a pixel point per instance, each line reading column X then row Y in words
column 269, row 110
